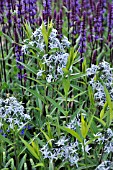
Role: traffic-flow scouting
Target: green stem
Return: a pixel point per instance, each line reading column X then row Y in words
column 15, row 149
column 85, row 155
column 1, row 157
column 66, row 109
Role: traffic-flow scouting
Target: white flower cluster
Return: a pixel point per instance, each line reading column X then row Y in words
column 37, row 41
column 63, row 149
column 106, row 139
column 101, row 72
column 12, row 114
column 74, row 123
column 106, row 165
column 55, row 60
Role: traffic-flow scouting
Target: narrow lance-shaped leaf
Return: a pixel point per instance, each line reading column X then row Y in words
column 71, row 58
column 35, row 93
column 50, row 26
column 110, row 104
column 36, row 148
column 45, row 34
column 28, row 30
column 91, row 96
column 47, row 137
column 39, row 165
column 66, row 85
column 8, row 38
column 3, row 139
column 30, row 148
column 56, row 105
column 102, row 113
column 72, row 132
column 23, row 160
column 84, row 126
column 100, row 120
column 31, row 69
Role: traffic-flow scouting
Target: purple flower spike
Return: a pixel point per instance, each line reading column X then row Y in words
column 94, row 57
column 47, row 10
column 82, row 43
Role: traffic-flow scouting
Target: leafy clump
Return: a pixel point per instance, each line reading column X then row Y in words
column 52, row 57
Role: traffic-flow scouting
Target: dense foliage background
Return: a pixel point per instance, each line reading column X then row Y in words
column 56, row 84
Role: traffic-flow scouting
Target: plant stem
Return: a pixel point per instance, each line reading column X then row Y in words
column 85, row 155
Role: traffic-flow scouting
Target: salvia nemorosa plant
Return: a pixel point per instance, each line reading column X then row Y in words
column 47, row 11
column 74, row 19
column 110, row 26
column 98, row 24
column 82, row 43
column 68, row 5
column 59, row 23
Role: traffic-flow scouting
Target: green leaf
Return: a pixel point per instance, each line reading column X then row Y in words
column 66, row 85
column 71, row 58
column 49, row 130
column 100, row 56
column 77, row 75
column 8, row 38
column 35, row 93
column 100, row 120
column 36, row 147
column 1, row 33
column 102, row 113
column 23, row 160
column 77, row 42
column 36, row 49
column 28, row 67
column 56, row 105
column 4, row 86
column 80, row 94
column 28, row 30
column 66, row 71
column 50, row 26
column 45, row 34
column 51, row 167
column 38, row 165
column 66, row 10
column 38, row 81
column 63, row 164
column 47, row 137
column 84, row 65
column 110, row 104
column 91, row 96
column 9, row 54
column 72, row 132
column 2, row 138
column 83, row 127
column 30, row 148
